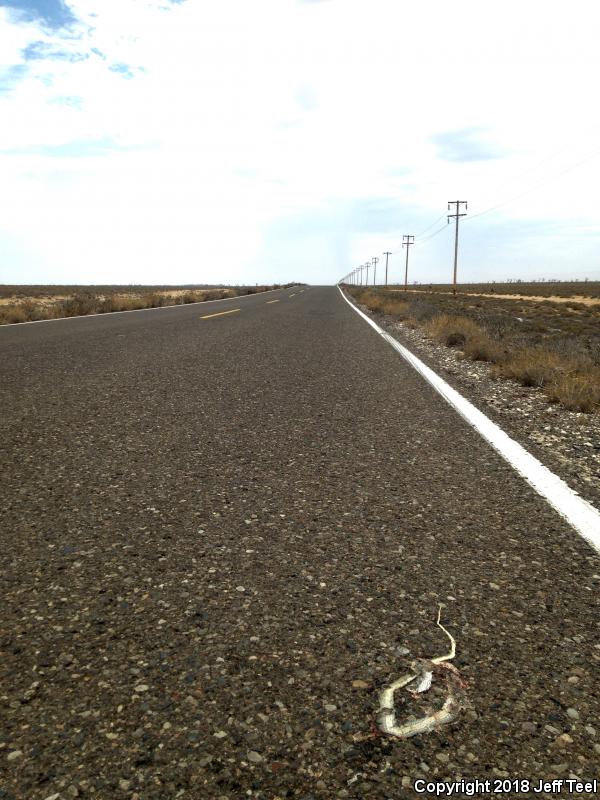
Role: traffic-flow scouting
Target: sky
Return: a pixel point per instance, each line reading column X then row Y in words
column 187, row 141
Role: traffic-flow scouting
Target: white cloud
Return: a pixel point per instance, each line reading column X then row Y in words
column 246, row 130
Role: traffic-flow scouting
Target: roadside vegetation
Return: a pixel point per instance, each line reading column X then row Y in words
column 528, row 288
column 32, row 303
column 554, row 347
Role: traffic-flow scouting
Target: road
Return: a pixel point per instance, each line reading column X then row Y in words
column 221, row 536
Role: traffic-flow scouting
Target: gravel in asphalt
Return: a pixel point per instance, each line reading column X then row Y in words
column 222, row 537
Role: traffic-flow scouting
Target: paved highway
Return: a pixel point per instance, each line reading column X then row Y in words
column 221, row 536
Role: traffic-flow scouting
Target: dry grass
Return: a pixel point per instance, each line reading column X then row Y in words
column 451, row 330
column 535, row 367
column 560, row 365
column 385, row 304
column 574, row 382
column 463, row 333
column 484, row 348
column 544, row 289
column 577, row 392
column 83, row 302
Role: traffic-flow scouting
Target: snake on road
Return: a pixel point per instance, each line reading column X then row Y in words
column 421, row 675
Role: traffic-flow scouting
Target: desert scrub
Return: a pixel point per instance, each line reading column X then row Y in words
column 484, row 348
column 79, row 305
column 120, row 303
column 190, row 297
column 535, row 366
column 28, row 311
column 453, row 331
column 106, row 299
column 382, row 303
column 564, row 365
column 11, row 314
column 572, row 381
column 577, row 392
column 155, row 300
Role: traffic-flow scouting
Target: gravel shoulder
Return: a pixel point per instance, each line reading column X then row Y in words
column 567, row 442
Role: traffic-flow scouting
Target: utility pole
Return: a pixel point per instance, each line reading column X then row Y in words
column 367, row 265
column 386, row 254
column 407, row 240
column 458, row 204
column 375, row 260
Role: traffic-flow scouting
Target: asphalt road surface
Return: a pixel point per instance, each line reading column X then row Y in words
column 222, row 537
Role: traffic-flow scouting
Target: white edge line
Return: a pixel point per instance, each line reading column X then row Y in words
column 580, row 514
column 135, row 310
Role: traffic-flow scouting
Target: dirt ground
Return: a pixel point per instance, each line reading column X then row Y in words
column 587, row 301
column 534, row 289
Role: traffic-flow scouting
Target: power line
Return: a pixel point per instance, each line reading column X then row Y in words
column 429, row 227
column 432, row 235
column 420, row 241
column 535, row 186
column 418, row 235
column 567, row 146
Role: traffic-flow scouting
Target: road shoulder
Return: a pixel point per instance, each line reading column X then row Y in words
column 566, row 442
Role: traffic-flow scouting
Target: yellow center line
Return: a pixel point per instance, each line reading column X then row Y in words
column 271, row 301
column 220, row 314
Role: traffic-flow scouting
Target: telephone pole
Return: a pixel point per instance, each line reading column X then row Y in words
column 367, row 265
column 407, row 240
column 375, row 260
column 386, row 254
column 457, row 204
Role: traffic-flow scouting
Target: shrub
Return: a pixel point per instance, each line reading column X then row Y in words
column 115, row 302
column 370, row 299
column 422, row 311
column 577, row 392
column 453, row 331
column 80, row 304
column 189, row 297
column 484, row 348
column 11, row 314
column 534, row 366
column 395, row 308
column 154, row 300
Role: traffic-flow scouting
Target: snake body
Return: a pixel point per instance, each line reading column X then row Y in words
column 422, row 671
